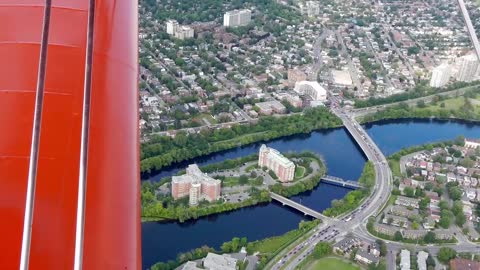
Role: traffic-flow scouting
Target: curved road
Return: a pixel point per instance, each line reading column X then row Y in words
column 334, row 229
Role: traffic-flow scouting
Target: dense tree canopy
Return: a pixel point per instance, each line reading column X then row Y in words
column 161, row 151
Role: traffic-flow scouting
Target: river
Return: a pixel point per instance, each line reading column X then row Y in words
column 163, row 241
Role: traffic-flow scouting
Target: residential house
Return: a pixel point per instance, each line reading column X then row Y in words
column 406, row 201
column 385, row 229
column 422, row 260
column 346, row 245
column 464, row 264
column 396, row 221
column 214, row 261
column 414, row 234
column 443, row 234
column 429, row 223
column 402, row 211
column 190, row 266
column 405, row 259
column 434, row 198
column 364, row 257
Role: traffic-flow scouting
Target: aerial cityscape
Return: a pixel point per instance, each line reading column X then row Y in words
column 240, row 108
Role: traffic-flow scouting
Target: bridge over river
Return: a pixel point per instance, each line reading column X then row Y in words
column 305, row 210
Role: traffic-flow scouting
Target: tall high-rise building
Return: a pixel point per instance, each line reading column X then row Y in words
column 283, row 168
column 468, row 66
column 195, row 192
column 184, row 32
column 179, row 31
column 440, row 75
column 236, row 17
column 172, row 26
column 197, row 185
column 310, row 8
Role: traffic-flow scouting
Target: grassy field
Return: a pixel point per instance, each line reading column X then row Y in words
column 332, row 263
column 299, row 172
column 452, row 104
column 230, row 181
column 251, row 167
column 395, row 166
column 270, row 245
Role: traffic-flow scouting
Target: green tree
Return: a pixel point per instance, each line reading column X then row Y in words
column 467, row 162
column 460, row 219
column 429, row 186
column 430, row 261
column 445, row 254
column 322, row 249
column 457, row 207
column 445, row 222
column 243, row 179
column 383, row 247
column 398, row 236
column 455, row 193
column 443, row 205
column 226, row 247
column 429, row 237
column 409, row 192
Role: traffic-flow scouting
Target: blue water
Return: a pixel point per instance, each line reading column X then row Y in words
column 163, row 241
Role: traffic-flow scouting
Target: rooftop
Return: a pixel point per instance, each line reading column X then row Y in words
column 219, row 262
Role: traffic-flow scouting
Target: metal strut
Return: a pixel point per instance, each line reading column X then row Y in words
column 82, row 176
column 34, row 149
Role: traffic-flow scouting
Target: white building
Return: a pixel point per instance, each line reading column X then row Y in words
column 312, row 89
column 179, row 31
column 468, row 66
column 310, row 8
column 237, row 17
column 194, row 195
column 190, row 266
column 440, row 75
column 219, row 262
column 422, row 260
column 473, row 144
column 184, row 32
column 405, row 259
column 341, row 77
column 172, row 26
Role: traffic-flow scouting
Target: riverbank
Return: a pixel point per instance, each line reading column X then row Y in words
column 162, row 151
column 247, row 188
column 354, row 198
column 163, row 241
column 265, row 249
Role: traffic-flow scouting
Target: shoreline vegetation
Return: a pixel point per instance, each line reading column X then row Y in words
column 353, row 198
column 162, row 151
column 161, row 207
column 267, row 248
